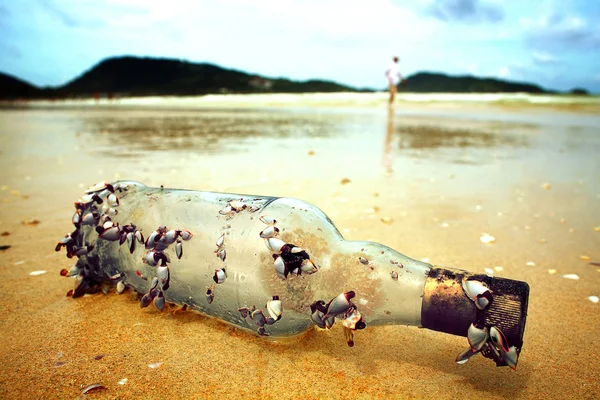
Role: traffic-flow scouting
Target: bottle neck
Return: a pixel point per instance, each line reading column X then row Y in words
column 447, row 308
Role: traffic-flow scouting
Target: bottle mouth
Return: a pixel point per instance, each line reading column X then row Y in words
column 490, row 311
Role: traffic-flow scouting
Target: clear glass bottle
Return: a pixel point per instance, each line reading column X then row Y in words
column 277, row 267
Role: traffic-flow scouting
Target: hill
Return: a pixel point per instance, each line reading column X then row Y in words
column 133, row 76
column 137, row 76
column 14, row 88
column 441, row 83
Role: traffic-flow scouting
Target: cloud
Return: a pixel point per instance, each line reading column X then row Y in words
column 543, row 58
column 465, row 11
column 504, row 72
column 556, row 32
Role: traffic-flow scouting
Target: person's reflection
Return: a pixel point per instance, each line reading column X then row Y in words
column 387, row 147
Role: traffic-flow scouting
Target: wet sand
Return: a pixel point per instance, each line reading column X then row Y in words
column 443, row 174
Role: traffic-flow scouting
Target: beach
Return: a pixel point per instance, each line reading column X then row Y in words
column 429, row 178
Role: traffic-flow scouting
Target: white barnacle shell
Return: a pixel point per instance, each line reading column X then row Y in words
column 185, row 234
column 149, row 259
column 220, row 240
column 222, row 254
column 267, row 220
column 163, row 274
column 225, row 211
column 275, row 308
column 498, row 339
column 473, row 288
column 339, row 304
column 308, row 267
column 237, row 205
column 220, row 275
column 113, row 200
column 510, row 357
column 97, row 187
column 477, row 337
column 120, row 287
column 269, row 232
column 274, row 244
column 179, row 249
column 394, row 275
column 279, row 265
column 464, row 356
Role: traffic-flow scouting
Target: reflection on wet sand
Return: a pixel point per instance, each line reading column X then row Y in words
column 387, row 148
column 210, row 132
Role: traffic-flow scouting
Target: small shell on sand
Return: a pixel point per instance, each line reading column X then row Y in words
column 489, row 271
column 546, row 186
column 571, row 276
column 530, row 264
column 122, row 381
column 487, row 238
column 35, row 273
column 155, row 365
column 551, row 271
column 585, row 258
column 593, row 299
column 386, row 220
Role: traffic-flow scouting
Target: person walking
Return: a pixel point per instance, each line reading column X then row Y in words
column 394, row 76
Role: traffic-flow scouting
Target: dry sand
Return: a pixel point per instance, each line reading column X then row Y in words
column 530, row 179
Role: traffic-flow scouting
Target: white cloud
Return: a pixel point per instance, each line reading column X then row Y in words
column 504, row 72
column 542, row 57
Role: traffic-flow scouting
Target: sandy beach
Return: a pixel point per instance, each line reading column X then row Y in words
column 440, row 174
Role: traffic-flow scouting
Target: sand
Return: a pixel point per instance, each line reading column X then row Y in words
column 442, row 174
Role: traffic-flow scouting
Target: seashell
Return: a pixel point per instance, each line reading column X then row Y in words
column 120, row 287
column 394, row 275
column 280, row 268
column 159, row 302
column 275, row 308
column 477, row 337
column 237, row 206
column 139, row 236
column 267, row 220
column 308, row 267
column 185, row 234
column 100, row 186
column 498, row 339
column 112, row 200
column 269, row 232
column 179, row 249
column 363, row 260
column 225, row 211
column 473, row 288
column 111, row 234
column 222, row 254
column 296, row 249
column 339, row 304
column 164, row 277
column 274, row 244
column 464, row 356
column 510, row 357
column 220, row 240
column 220, row 275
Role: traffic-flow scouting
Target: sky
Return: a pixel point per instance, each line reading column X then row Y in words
column 552, row 43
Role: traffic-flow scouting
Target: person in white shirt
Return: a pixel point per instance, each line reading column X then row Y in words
column 394, row 77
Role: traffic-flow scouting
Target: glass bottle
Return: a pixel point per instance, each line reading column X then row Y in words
column 277, row 267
